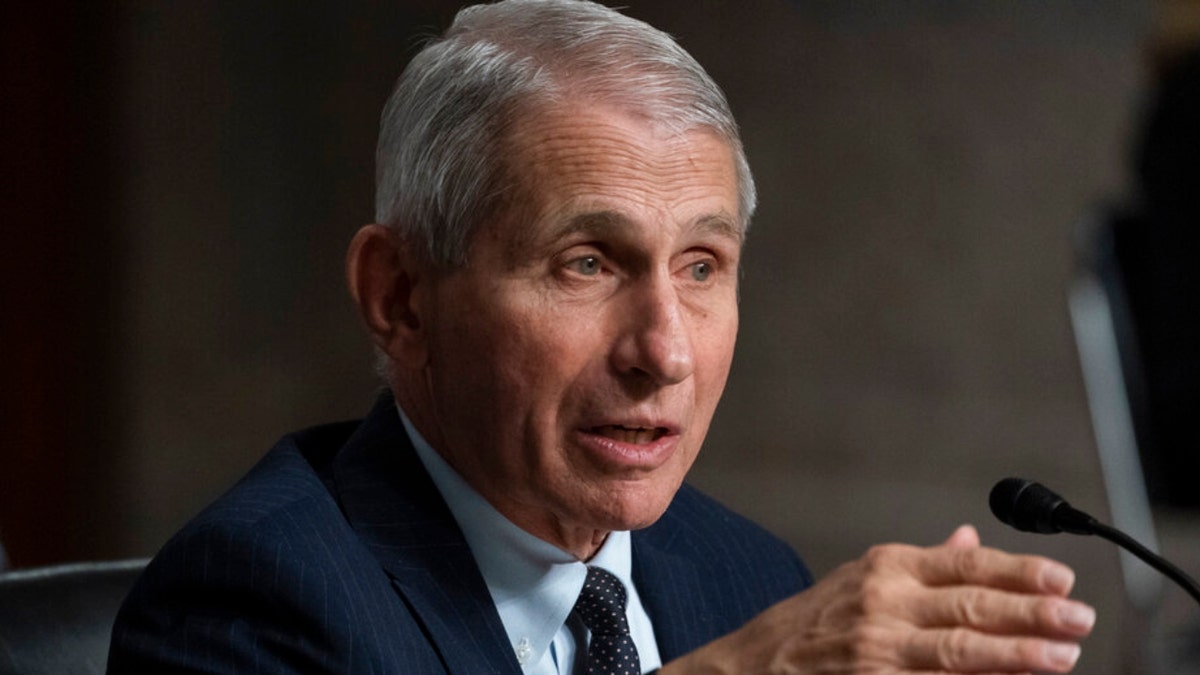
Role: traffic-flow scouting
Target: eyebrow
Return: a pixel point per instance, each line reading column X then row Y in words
column 599, row 222
column 602, row 222
column 606, row 222
column 723, row 225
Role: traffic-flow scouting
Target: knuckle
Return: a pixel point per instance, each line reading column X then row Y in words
column 876, row 557
column 881, row 557
column 954, row 648
column 967, row 564
column 863, row 646
column 1041, row 614
column 1044, row 613
column 874, row 595
column 1031, row 571
column 969, row 609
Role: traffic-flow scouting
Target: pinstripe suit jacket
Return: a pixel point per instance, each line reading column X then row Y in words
column 337, row 554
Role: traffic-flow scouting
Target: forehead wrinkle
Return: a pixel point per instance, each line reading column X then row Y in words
column 554, row 156
column 580, row 160
column 556, row 134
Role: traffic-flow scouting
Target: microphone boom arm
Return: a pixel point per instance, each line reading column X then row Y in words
column 1147, row 556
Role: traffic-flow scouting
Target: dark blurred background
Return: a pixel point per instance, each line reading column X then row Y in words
column 180, row 181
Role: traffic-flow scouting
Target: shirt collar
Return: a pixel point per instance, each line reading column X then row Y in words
column 533, row 583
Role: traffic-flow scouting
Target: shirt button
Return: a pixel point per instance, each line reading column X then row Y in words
column 524, row 651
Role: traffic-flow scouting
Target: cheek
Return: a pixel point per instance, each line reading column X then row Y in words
column 714, row 356
column 514, row 365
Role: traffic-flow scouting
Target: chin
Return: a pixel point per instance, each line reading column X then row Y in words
column 634, row 510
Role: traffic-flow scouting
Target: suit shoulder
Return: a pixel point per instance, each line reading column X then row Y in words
column 281, row 503
column 271, row 570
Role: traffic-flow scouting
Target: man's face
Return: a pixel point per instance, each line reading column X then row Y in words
column 576, row 360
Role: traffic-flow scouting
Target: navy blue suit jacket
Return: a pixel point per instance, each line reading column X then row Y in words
column 337, row 554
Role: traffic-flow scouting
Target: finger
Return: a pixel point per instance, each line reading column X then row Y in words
column 945, row 566
column 1003, row 613
column 963, row 650
column 966, row 536
column 946, row 672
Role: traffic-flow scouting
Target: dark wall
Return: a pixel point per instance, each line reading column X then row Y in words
column 60, row 265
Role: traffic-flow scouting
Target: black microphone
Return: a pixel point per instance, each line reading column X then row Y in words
column 1032, row 507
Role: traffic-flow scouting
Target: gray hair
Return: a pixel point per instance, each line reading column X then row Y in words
column 441, row 159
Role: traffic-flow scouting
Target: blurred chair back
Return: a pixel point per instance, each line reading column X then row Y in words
column 59, row 619
column 1113, row 376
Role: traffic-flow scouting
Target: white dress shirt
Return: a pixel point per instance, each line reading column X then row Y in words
column 533, row 583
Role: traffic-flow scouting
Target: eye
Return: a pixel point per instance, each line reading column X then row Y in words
column 701, row 271
column 587, row 266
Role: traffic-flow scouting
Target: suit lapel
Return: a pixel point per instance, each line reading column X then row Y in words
column 667, row 583
column 393, row 506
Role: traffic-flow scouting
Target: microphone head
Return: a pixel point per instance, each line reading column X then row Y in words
column 1026, row 505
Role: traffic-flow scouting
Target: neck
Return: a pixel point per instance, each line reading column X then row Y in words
column 581, row 542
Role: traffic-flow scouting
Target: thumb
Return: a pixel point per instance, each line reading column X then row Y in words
column 966, row 536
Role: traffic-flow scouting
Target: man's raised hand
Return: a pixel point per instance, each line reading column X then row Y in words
column 953, row 608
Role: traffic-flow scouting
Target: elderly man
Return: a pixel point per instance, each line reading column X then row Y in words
column 552, row 287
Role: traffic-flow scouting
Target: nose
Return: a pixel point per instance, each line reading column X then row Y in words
column 655, row 343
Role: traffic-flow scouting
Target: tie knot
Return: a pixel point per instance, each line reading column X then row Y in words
column 601, row 603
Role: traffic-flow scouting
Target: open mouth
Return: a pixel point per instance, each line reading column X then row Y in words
column 631, row 435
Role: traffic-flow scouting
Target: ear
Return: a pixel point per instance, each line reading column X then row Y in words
column 388, row 283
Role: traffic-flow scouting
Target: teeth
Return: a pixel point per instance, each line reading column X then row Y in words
column 634, row 436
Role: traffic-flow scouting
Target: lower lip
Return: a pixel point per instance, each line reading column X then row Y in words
column 614, row 454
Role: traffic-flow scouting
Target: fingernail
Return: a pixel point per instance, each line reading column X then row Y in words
column 1077, row 617
column 1062, row 654
column 1058, row 579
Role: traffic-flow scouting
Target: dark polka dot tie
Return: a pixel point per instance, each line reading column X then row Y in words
column 601, row 606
